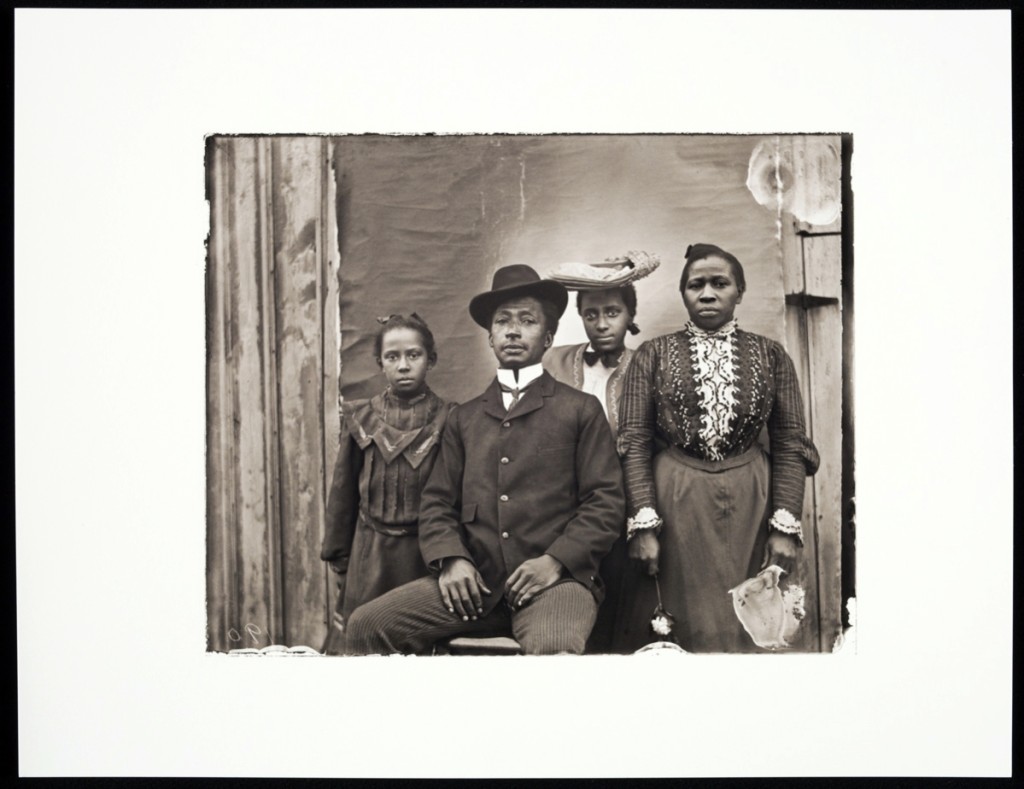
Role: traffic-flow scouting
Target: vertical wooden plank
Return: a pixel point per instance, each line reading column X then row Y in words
column 273, row 633
column 824, row 329
column 796, row 344
column 331, row 341
column 792, row 257
column 221, row 480
column 807, row 572
column 297, row 240
column 256, row 595
column 823, row 266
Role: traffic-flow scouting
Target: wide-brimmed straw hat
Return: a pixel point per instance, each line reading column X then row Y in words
column 612, row 273
column 510, row 282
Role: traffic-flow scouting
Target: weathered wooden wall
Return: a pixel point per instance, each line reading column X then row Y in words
column 272, row 388
column 812, row 258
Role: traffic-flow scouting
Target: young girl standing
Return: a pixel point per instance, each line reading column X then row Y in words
column 388, row 447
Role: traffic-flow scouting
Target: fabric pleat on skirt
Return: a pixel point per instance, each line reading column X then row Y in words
column 712, row 539
column 380, row 562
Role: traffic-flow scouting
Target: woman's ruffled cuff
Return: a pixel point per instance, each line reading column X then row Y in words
column 784, row 522
column 645, row 518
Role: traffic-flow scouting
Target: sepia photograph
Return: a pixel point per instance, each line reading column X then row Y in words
column 375, row 485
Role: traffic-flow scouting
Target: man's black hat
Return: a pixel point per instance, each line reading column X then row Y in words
column 510, row 282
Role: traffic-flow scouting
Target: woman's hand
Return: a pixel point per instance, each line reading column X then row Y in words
column 782, row 549
column 531, row 577
column 462, row 588
column 643, row 549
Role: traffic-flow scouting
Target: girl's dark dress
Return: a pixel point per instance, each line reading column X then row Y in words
column 387, row 450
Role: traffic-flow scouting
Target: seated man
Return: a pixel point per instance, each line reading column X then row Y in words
column 524, row 500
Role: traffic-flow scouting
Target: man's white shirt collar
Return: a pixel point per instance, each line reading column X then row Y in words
column 527, row 375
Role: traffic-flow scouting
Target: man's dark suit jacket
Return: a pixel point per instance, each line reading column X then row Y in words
column 511, row 486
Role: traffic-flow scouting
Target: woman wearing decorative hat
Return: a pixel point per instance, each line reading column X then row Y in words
column 712, row 507
column 606, row 302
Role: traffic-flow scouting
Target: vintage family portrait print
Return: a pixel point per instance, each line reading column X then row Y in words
column 282, row 277
column 506, row 394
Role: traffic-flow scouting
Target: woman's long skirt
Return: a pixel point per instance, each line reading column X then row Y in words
column 713, row 538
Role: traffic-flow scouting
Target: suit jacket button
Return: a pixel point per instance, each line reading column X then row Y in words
column 503, row 497
column 504, row 535
column 504, row 461
column 506, row 424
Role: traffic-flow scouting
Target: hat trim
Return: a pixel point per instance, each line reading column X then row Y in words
column 575, row 275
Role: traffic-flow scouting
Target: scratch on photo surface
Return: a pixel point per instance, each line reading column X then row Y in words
column 522, row 189
column 778, row 193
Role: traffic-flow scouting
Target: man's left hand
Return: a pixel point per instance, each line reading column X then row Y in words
column 532, row 577
column 782, row 550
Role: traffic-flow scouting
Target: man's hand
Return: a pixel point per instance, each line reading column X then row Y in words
column 643, row 549
column 782, row 550
column 462, row 588
column 532, row 577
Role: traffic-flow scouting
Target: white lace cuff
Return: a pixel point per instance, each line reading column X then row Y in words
column 784, row 522
column 646, row 518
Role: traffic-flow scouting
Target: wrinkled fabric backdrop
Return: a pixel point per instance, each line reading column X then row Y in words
column 424, row 221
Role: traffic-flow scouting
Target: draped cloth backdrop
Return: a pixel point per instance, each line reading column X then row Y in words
column 423, row 222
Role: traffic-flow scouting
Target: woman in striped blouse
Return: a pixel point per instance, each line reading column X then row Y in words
column 707, row 506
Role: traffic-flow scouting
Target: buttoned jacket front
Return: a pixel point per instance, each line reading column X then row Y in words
column 541, row 478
